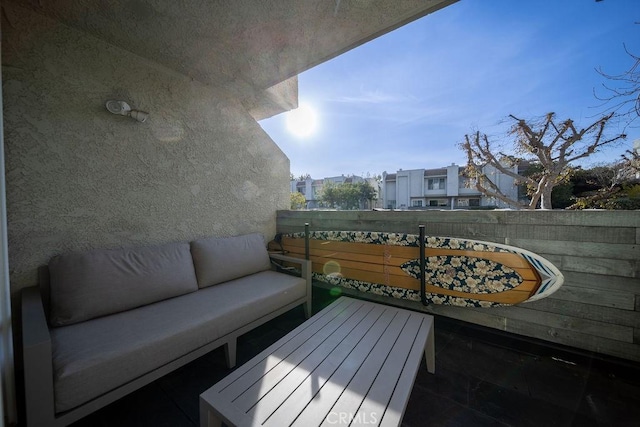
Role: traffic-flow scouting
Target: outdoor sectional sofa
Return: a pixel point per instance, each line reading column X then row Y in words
column 104, row 323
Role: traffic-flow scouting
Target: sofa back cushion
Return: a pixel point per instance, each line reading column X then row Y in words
column 101, row 282
column 218, row 260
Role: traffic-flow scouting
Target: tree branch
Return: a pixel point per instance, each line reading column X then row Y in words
column 555, row 146
column 492, row 190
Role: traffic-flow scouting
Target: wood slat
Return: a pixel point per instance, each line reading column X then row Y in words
column 602, row 282
column 385, row 401
column 401, row 281
column 381, row 344
column 575, row 339
column 512, row 296
column 582, row 310
column 572, row 323
column 308, row 351
column 440, row 224
column 259, row 362
column 280, row 389
column 619, row 300
column 337, row 265
column 612, row 251
column 405, row 253
column 613, row 267
column 389, row 275
column 555, row 217
column 384, row 274
column 338, row 367
column 351, row 247
column 404, row 386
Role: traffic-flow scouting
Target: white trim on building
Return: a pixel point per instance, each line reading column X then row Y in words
column 443, row 188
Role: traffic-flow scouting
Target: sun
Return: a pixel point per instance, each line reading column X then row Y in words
column 303, row 121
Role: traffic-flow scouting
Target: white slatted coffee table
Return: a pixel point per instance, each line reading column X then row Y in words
column 353, row 361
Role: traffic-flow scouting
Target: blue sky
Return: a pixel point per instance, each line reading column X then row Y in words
column 406, row 99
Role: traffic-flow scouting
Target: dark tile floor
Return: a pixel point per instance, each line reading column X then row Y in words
column 483, row 378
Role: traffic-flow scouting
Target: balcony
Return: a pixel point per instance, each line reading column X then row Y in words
column 567, row 360
column 78, row 177
column 570, row 359
column 482, row 378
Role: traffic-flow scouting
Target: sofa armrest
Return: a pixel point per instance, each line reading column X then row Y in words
column 37, row 359
column 305, row 265
column 305, row 269
column 287, row 258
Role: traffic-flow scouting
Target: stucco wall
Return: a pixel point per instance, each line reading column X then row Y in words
column 79, row 177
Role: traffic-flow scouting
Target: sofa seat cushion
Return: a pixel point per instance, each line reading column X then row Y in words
column 96, row 356
column 86, row 285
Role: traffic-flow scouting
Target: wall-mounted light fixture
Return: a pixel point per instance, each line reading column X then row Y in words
column 123, row 109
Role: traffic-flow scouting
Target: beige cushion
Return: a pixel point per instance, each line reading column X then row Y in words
column 101, row 282
column 220, row 259
column 94, row 357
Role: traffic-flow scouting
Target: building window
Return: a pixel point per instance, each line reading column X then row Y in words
column 391, row 204
column 467, row 183
column 437, row 202
column 463, row 203
column 417, row 203
column 436, row 184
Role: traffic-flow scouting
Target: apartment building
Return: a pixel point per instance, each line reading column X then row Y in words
column 443, row 188
column 312, row 188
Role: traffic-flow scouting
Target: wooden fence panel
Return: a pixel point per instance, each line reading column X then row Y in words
column 598, row 308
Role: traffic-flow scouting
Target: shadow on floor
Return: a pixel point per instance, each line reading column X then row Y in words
column 483, row 378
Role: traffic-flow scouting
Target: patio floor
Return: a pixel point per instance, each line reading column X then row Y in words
column 483, row 378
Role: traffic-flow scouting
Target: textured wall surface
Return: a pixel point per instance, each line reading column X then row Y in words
column 79, row 177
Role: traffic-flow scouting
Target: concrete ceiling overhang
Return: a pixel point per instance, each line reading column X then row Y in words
column 243, row 47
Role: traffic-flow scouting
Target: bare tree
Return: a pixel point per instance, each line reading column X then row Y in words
column 551, row 144
column 622, row 94
column 618, row 185
column 631, row 160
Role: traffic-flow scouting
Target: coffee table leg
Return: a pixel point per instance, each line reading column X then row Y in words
column 207, row 418
column 430, row 351
column 230, row 353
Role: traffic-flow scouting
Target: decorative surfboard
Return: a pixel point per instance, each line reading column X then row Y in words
column 458, row 271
